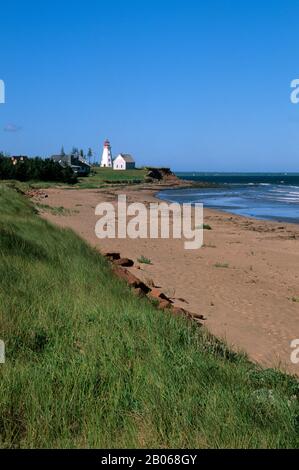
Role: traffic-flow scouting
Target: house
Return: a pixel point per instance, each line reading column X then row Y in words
column 124, row 162
column 63, row 160
column 19, row 158
column 79, row 166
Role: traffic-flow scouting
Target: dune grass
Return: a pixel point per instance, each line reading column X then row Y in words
column 144, row 260
column 55, row 210
column 89, row 365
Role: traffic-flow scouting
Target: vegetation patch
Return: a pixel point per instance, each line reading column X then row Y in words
column 221, row 265
column 36, row 169
column 55, row 210
column 101, row 177
column 144, row 260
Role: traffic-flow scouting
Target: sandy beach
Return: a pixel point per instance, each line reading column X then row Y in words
column 244, row 280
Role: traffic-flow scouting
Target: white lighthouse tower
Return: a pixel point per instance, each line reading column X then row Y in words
column 106, row 155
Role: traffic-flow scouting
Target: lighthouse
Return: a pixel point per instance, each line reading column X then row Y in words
column 106, row 155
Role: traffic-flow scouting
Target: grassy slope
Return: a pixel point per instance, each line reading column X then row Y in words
column 88, row 364
column 99, row 178
column 101, row 175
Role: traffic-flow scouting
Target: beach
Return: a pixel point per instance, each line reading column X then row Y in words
column 244, row 279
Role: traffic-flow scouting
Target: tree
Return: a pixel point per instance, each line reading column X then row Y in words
column 75, row 152
column 35, row 169
column 89, row 154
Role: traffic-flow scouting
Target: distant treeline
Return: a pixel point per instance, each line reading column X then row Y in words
column 35, row 169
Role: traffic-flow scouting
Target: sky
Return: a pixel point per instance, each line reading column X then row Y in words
column 193, row 85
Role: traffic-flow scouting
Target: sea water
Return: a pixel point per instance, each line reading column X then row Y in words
column 273, row 196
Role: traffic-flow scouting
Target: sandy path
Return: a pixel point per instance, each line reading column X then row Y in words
column 250, row 303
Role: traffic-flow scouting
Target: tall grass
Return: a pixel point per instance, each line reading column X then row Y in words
column 90, row 365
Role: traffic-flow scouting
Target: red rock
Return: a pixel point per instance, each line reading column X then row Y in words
column 157, row 294
column 138, row 292
column 183, row 300
column 124, row 274
column 130, row 279
column 112, row 255
column 177, row 311
column 163, row 304
column 125, row 262
column 197, row 316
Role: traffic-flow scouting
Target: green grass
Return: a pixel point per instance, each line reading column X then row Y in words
column 26, row 185
column 60, row 210
column 90, row 365
column 205, row 227
column 144, row 260
column 98, row 178
column 221, row 265
column 101, row 177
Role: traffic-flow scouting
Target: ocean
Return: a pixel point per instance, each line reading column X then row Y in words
column 267, row 196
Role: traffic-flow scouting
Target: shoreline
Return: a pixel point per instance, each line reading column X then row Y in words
column 219, row 209
column 244, row 280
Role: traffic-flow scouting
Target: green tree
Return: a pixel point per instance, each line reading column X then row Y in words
column 35, row 169
column 75, row 152
column 89, row 154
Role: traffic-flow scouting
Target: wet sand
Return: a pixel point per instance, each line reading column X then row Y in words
column 244, row 280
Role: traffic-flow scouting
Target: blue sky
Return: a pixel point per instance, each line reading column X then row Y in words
column 195, row 85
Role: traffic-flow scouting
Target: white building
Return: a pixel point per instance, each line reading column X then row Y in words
column 106, row 160
column 124, row 162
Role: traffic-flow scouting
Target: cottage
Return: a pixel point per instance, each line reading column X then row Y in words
column 79, row 166
column 63, row 160
column 18, row 158
column 124, row 162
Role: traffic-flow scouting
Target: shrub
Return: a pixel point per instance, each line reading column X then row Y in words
column 144, row 260
column 35, row 169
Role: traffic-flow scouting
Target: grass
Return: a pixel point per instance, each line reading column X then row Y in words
column 221, row 265
column 55, row 210
column 144, row 260
column 204, row 227
column 98, row 178
column 101, row 177
column 90, row 365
